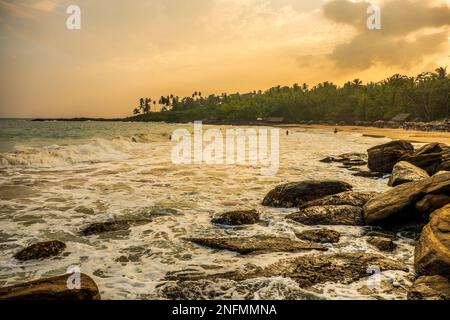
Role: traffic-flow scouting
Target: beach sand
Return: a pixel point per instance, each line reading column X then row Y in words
column 396, row 134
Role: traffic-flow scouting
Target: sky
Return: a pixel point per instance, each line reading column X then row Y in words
column 147, row 48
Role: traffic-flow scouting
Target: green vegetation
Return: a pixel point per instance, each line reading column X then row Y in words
column 426, row 97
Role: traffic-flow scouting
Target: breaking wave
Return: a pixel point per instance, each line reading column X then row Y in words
column 97, row 150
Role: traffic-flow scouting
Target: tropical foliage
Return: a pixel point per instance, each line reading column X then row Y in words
column 426, row 96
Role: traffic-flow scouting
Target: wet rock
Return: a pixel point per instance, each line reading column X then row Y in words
column 382, row 158
column 431, row 203
column 428, row 162
column 357, row 199
column 430, row 288
column 329, row 215
column 432, row 256
column 236, row 218
column 431, row 148
column 52, row 289
column 431, row 157
column 382, row 234
column 319, row 236
column 397, row 206
column 368, row 174
column 445, row 163
column 258, row 244
column 348, row 159
column 41, row 250
column 297, row 193
column 405, row 172
column 382, row 243
column 310, row 270
column 111, row 226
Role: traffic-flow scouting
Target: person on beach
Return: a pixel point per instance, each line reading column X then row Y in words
column 287, row 132
column 336, row 130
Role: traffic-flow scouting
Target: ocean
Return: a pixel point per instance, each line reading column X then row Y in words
column 58, row 177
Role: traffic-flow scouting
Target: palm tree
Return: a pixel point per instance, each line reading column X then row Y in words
column 441, row 72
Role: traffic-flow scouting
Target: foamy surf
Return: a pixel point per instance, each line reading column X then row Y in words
column 129, row 175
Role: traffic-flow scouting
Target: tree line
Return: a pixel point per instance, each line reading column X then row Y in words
column 426, row 96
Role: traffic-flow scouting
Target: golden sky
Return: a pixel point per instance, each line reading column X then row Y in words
column 147, row 48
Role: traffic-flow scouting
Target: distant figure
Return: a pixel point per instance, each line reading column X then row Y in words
column 287, row 132
column 170, row 137
column 336, row 130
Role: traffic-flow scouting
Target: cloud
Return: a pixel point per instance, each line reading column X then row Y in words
column 410, row 31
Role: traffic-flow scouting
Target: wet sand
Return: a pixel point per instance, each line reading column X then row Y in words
column 397, row 134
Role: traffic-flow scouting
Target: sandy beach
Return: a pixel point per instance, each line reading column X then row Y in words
column 398, row 134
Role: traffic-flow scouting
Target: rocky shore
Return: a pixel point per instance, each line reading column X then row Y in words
column 416, row 206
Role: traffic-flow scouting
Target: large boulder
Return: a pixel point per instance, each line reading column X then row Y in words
column 382, row 158
column 432, row 256
column 258, row 244
column 52, row 289
column 41, row 250
column 397, row 205
column 297, row 193
column 430, row 288
column 329, row 215
column 405, row 172
column 236, row 218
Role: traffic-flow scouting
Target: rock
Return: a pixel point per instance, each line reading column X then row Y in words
column 41, row 250
column 445, row 163
column 405, row 172
column 111, row 226
column 382, row 234
column 319, row 236
column 430, row 288
column 296, row 193
column 357, row 199
column 397, row 206
column 327, row 160
column 428, row 162
column 309, row 270
column 432, row 256
column 348, row 159
column 329, row 215
column 368, row 174
column 235, row 218
column 382, row 158
column 431, row 148
column 52, row 289
column 258, row 244
column 431, row 203
column 383, row 244
column 432, row 158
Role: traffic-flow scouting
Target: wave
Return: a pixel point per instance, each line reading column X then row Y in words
column 97, row 150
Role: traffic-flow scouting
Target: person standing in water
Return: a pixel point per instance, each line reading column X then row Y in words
column 336, row 130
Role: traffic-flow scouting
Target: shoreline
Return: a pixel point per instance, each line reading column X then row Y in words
column 413, row 136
